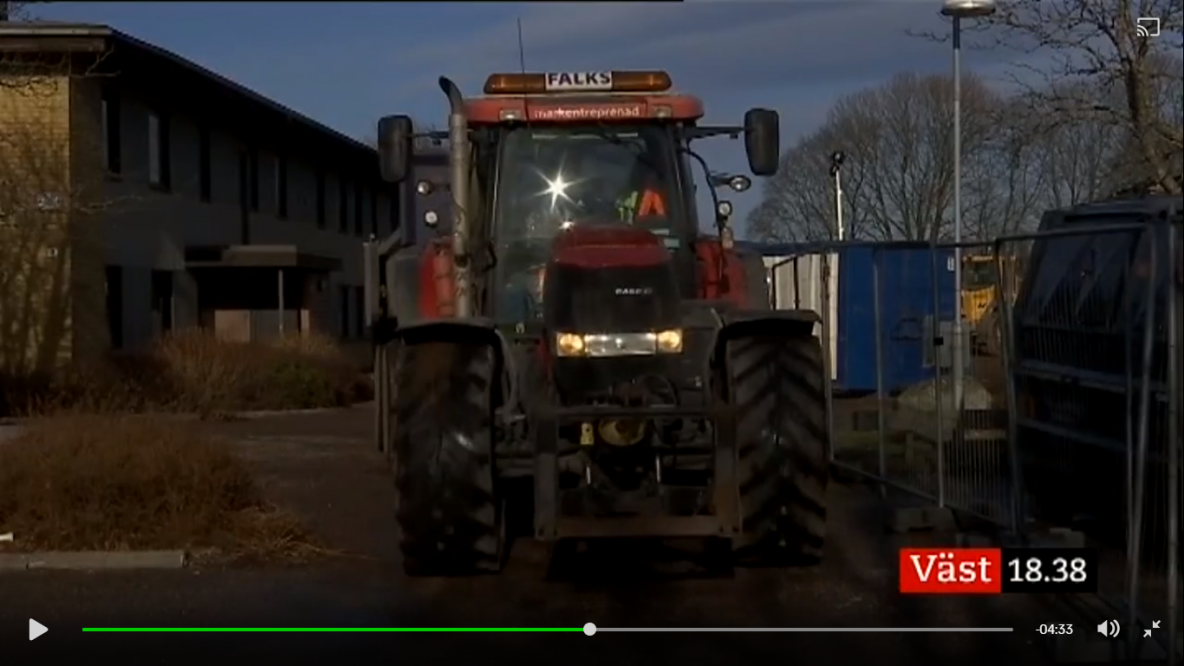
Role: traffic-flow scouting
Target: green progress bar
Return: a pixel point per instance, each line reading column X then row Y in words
column 343, row 630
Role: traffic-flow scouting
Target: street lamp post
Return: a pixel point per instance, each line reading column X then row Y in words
column 958, row 10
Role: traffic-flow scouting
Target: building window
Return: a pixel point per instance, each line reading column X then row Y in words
column 360, row 311
column 343, row 206
column 343, row 298
column 205, row 180
column 374, row 212
column 281, row 187
column 115, row 305
column 159, row 174
column 359, row 211
column 321, row 212
column 253, row 178
column 112, row 138
column 162, row 301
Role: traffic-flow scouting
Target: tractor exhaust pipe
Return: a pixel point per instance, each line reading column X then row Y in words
column 458, row 141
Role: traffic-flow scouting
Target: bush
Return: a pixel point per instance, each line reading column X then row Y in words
column 193, row 371
column 120, row 482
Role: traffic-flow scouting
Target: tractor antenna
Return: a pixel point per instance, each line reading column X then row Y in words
column 521, row 48
column 522, row 69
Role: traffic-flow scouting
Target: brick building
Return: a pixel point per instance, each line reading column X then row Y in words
column 140, row 193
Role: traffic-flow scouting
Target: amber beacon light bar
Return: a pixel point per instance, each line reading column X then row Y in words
column 578, row 82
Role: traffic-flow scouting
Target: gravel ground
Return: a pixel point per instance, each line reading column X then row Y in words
column 324, row 467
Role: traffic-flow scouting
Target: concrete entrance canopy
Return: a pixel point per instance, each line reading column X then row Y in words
column 259, row 292
column 258, row 256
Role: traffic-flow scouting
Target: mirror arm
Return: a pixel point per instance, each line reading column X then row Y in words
column 707, row 132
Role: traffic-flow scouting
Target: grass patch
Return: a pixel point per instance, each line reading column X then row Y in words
column 192, row 371
column 86, row 482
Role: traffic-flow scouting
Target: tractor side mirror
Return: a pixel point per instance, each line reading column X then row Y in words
column 394, row 147
column 762, row 140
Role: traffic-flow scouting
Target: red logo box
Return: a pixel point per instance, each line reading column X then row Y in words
column 951, row 571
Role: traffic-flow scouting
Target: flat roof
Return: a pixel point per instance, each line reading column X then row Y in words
column 58, row 32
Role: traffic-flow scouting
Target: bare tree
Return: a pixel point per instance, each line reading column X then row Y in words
column 1003, row 185
column 898, row 175
column 1101, row 45
column 16, row 11
column 798, row 203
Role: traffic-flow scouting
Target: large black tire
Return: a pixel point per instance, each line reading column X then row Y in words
column 777, row 386
column 449, row 509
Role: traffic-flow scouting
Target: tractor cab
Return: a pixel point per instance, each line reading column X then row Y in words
column 544, row 156
column 563, row 180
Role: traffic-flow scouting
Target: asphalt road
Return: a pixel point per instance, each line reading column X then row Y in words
column 323, row 466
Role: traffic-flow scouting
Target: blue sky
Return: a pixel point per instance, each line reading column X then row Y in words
column 345, row 64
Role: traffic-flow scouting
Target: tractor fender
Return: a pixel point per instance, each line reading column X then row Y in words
column 747, row 323
column 469, row 331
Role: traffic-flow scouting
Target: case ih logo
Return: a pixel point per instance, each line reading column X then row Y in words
column 633, row 291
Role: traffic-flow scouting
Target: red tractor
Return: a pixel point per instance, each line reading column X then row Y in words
column 575, row 328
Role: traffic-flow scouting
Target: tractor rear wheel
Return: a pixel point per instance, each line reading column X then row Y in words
column 777, row 387
column 448, row 508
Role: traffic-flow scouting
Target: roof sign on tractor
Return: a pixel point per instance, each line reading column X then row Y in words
column 577, row 82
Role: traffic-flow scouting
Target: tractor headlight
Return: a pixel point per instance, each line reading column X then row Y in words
column 569, row 344
column 669, row 342
column 619, row 344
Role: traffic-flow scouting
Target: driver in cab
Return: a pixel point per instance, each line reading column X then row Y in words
column 588, row 198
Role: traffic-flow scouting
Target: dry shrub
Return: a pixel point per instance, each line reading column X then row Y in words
column 314, row 345
column 120, row 383
column 79, row 482
column 206, row 374
column 193, row 371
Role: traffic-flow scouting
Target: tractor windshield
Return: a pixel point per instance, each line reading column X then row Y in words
column 551, row 178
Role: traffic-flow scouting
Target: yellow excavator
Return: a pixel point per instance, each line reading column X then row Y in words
column 979, row 308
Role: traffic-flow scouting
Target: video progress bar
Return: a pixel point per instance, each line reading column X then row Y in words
column 591, row 629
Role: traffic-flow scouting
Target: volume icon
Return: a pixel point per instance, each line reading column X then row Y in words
column 1109, row 628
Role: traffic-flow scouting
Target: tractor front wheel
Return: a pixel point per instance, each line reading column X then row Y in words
column 449, row 512
column 777, row 388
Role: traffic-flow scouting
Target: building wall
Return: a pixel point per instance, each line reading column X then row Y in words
column 128, row 234
column 147, row 228
column 36, row 203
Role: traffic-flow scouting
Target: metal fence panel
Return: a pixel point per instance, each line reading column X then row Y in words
column 888, row 314
column 1068, row 413
column 1092, row 351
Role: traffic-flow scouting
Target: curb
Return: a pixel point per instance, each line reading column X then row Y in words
column 268, row 413
column 94, row 560
column 17, row 422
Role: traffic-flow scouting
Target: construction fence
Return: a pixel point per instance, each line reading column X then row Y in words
column 1062, row 414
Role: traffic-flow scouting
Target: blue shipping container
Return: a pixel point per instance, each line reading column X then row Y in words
column 907, row 288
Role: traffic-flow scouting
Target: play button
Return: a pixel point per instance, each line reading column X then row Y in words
column 36, row 629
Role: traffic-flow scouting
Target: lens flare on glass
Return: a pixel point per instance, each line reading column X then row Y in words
column 557, row 189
